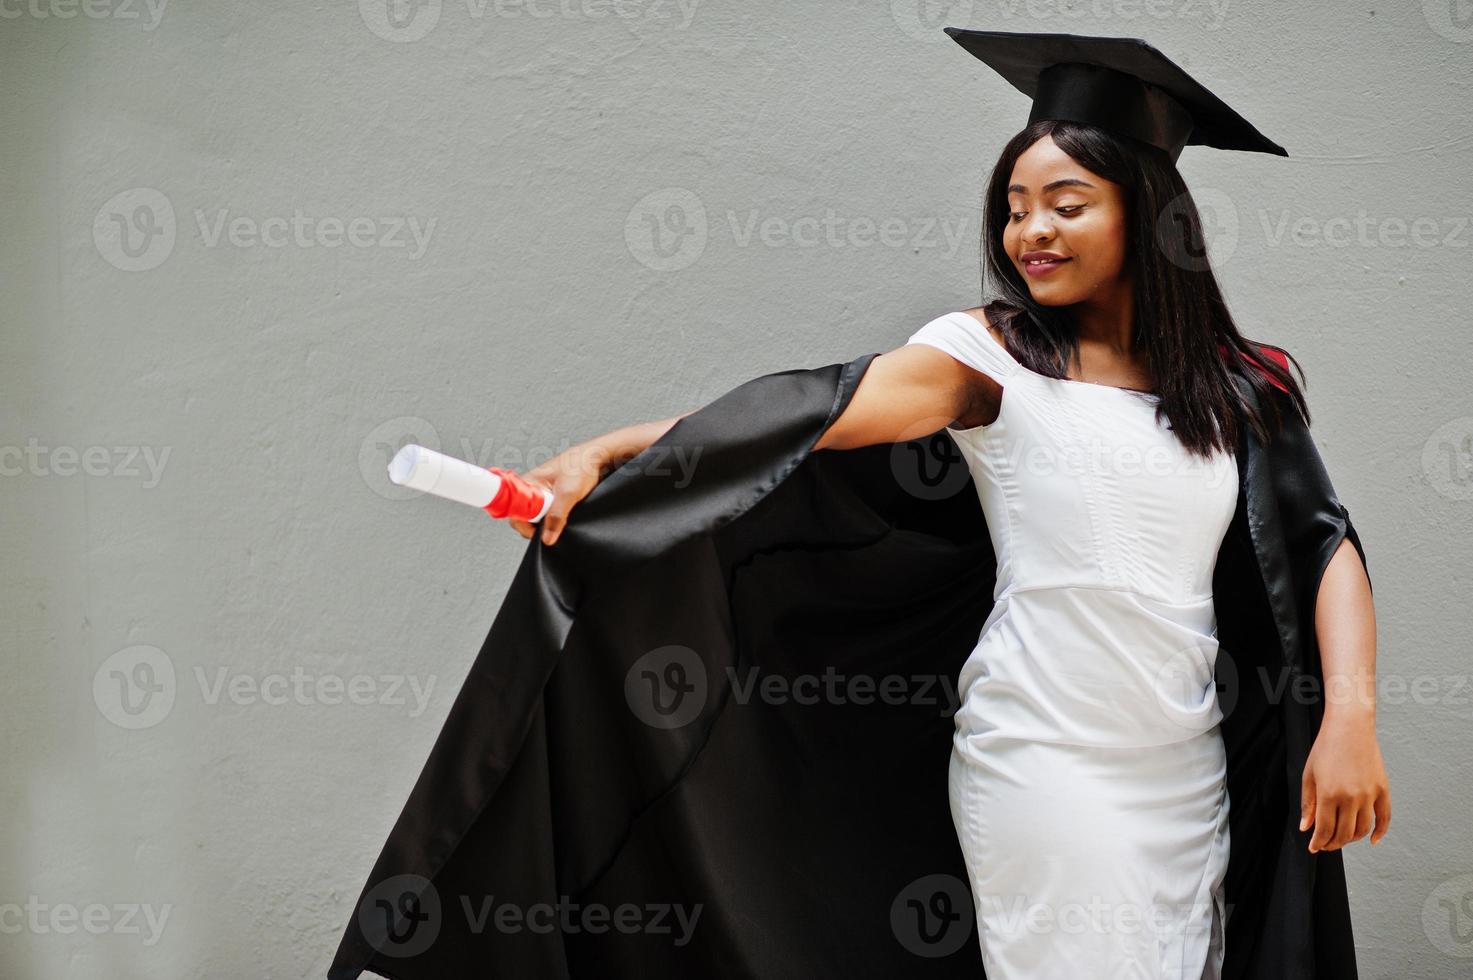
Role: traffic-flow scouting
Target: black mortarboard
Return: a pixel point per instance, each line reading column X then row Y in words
column 1121, row 84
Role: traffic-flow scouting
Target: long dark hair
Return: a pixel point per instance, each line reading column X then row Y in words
column 1181, row 320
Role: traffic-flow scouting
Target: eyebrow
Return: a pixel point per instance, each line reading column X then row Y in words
column 1052, row 185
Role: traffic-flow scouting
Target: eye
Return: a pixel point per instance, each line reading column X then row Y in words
column 1018, row 215
column 1070, row 209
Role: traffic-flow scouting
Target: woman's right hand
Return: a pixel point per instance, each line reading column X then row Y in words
column 571, row 475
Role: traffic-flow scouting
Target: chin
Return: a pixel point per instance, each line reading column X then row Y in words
column 1054, row 296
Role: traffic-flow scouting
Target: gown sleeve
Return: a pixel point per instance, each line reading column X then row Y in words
column 1314, row 518
column 1298, row 908
column 640, row 732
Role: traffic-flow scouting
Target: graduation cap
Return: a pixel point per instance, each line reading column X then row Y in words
column 1120, row 84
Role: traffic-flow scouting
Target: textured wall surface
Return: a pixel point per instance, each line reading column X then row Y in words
column 249, row 248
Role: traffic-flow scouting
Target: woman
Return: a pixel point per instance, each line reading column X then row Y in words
column 1102, row 406
column 1089, row 699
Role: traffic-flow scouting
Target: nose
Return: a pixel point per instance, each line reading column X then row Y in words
column 1038, row 227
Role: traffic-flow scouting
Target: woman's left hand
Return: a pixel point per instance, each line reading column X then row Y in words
column 1344, row 789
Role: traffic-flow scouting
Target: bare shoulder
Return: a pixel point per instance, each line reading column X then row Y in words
column 980, row 315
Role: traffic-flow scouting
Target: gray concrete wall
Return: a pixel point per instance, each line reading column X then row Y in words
column 198, row 387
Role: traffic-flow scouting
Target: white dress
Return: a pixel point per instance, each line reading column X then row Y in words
column 1088, row 774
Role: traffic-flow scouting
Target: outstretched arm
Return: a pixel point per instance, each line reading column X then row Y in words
column 910, row 392
column 906, row 393
column 574, row 472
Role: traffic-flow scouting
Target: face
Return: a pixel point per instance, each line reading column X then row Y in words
column 1062, row 211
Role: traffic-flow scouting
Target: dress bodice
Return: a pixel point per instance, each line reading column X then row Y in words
column 1082, row 486
column 1106, row 532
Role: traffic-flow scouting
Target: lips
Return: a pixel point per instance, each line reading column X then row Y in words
column 1042, row 265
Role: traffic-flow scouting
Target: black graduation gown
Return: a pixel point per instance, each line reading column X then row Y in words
column 607, row 748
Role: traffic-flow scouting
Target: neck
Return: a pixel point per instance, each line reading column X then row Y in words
column 1106, row 320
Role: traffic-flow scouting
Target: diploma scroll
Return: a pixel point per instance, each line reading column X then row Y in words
column 499, row 492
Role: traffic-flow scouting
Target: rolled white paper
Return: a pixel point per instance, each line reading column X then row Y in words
column 444, row 476
column 454, row 479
